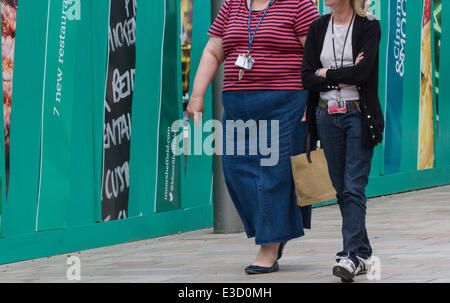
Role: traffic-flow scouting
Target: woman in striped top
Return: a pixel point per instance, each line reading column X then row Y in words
column 271, row 35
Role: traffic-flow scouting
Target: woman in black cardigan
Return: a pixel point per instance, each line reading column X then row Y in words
column 340, row 69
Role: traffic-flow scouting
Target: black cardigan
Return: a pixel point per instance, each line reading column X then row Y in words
column 366, row 38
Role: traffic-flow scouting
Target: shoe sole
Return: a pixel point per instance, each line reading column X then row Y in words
column 361, row 273
column 345, row 275
column 256, row 272
column 250, row 272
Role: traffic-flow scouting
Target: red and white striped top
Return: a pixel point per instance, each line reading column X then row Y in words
column 276, row 49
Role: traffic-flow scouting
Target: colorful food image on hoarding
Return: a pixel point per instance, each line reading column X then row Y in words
column 426, row 111
column 9, row 15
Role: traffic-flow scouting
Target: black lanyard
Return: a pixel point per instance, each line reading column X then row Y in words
column 345, row 41
column 250, row 37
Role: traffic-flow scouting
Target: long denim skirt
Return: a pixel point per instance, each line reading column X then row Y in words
column 262, row 131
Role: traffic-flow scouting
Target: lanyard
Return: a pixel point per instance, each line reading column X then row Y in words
column 345, row 42
column 250, row 37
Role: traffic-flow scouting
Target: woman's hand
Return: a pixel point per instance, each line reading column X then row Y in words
column 304, row 115
column 341, row 85
column 322, row 72
column 359, row 58
column 195, row 109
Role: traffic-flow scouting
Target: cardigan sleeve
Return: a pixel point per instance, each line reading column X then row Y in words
column 311, row 63
column 359, row 74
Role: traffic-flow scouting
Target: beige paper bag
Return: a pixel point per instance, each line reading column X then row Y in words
column 312, row 180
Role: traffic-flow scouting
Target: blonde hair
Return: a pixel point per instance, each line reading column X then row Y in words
column 359, row 6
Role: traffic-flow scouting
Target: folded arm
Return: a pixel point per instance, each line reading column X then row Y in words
column 360, row 73
column 311, row 63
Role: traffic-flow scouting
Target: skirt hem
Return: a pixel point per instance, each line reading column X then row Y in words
column 278, row 240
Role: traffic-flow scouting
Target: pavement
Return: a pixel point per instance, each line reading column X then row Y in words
column 409, row 232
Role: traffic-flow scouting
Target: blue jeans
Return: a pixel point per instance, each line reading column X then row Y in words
column 349, row 163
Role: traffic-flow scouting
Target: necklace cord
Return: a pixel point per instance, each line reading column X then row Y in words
column 345, row 41
column 250, row 36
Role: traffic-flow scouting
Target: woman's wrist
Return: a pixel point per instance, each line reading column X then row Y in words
column 322, row 72
column 197, row 96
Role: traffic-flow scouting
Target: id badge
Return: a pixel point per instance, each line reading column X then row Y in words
column 337, row 107
column 245, row 62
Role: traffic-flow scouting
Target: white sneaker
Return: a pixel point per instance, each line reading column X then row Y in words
column 363, row 267
column 345, row 269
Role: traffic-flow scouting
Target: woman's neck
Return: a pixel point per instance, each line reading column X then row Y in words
column 258, row 5
column 343, row 13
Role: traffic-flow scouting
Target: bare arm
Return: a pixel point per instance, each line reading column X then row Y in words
column 213, row 57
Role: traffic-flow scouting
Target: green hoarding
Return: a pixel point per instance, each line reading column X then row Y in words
column 170, row 110
column 58, row 98
column 70, row 213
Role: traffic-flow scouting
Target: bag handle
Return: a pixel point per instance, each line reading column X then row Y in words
column 308, row 147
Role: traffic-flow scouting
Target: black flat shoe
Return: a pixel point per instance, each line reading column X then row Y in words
column 255, row 270
column 280, row 250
